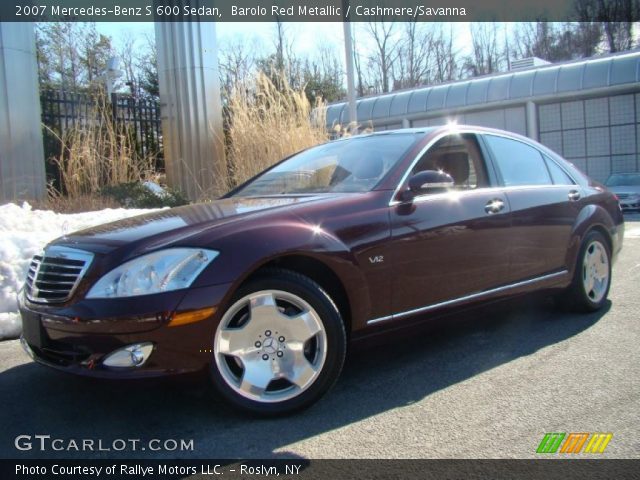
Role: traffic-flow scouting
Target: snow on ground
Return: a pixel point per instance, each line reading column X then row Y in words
column 23, row 233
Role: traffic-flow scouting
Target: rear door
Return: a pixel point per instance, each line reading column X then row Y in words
column 447, row 245
column 544, row 204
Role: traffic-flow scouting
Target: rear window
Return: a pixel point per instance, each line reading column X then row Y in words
column 558, row 175
column 518, row 163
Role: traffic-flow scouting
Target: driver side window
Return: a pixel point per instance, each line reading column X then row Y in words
column 459, row 156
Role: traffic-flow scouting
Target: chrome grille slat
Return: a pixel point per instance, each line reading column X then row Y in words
column 57, row 290
column 54, row 275
column 54, row 282
column 62, row 263
column 70, row 275
column 52, row 266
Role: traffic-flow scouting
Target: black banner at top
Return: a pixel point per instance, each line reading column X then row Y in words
column 290, row 10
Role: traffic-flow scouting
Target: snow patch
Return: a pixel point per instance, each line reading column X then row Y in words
column 154, row 188
column 23, row 233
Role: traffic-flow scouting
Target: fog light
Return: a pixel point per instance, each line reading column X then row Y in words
column 26, row 347
column 130, row 356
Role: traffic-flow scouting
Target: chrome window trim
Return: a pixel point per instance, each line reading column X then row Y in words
column 490, row 190
column 454, row 130
column 60, row 252
column 466, row 297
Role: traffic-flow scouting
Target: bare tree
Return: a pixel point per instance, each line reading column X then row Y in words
column 445, row 57
column 386, row 50
column 357, row 62
column 556, row 42
column 413, row 67
column 488, row 52
column 128, row 62
column 237, row 62
column 283, row 64
column 616, row 17
column 323, row 75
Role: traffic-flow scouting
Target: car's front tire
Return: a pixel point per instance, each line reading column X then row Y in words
column 592, row 278
column 280, row 345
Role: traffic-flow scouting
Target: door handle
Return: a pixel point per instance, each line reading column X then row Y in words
column 494, row 206
column 574, row 195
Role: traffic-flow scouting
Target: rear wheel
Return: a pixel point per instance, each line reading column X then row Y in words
column 280, row 345
column 592, row 279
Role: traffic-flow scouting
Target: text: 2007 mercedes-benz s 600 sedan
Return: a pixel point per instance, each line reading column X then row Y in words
column 264, row 287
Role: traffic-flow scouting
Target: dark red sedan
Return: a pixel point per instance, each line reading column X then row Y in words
column 265, row 287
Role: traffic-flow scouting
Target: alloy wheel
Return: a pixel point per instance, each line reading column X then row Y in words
column 595, row 271
column 270, row 346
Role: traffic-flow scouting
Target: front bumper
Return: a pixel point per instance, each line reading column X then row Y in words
column 77, row 338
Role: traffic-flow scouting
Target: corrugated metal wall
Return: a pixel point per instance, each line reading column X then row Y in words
column 190, row 105
column 22, row 175
column 588, row 110
column 511, row 119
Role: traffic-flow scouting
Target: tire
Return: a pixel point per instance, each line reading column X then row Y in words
column 592, row 277
column 280, row 345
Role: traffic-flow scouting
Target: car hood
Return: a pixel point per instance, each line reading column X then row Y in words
column 164, row 227
column 630, row 189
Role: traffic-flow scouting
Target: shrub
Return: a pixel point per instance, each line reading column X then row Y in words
column 137, row 195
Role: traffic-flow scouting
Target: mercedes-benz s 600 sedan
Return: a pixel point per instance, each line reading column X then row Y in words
column 264, row 288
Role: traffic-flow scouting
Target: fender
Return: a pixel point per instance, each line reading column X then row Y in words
column 245, row 251
column 590, row 217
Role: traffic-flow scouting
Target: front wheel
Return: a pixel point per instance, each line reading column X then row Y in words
column 592, row 279
column 279, row 346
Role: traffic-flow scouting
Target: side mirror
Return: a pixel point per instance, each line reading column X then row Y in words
column 429, row 181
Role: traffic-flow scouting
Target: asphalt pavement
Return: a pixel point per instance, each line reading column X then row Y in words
column 484, row 385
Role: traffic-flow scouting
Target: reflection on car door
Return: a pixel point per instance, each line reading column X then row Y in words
column 544, row 205
column 450, row 244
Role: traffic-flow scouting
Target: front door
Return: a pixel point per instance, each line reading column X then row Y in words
column 451, row 244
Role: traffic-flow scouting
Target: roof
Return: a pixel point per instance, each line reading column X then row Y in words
column 576, row 76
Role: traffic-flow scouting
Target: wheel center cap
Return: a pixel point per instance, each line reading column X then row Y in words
column 270, row 345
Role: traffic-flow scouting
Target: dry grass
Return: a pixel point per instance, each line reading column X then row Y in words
column 82, row 203
column 266, row 125
column 95, row 153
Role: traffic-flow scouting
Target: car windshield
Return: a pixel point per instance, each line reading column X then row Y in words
column 356, row 164
column 624, row 180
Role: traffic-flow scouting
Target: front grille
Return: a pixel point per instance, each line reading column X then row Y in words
column 54, row 275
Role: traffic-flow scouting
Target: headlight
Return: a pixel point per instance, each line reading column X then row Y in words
column 157, row 272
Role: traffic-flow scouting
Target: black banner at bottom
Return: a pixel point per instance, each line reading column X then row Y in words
column 302, row 469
